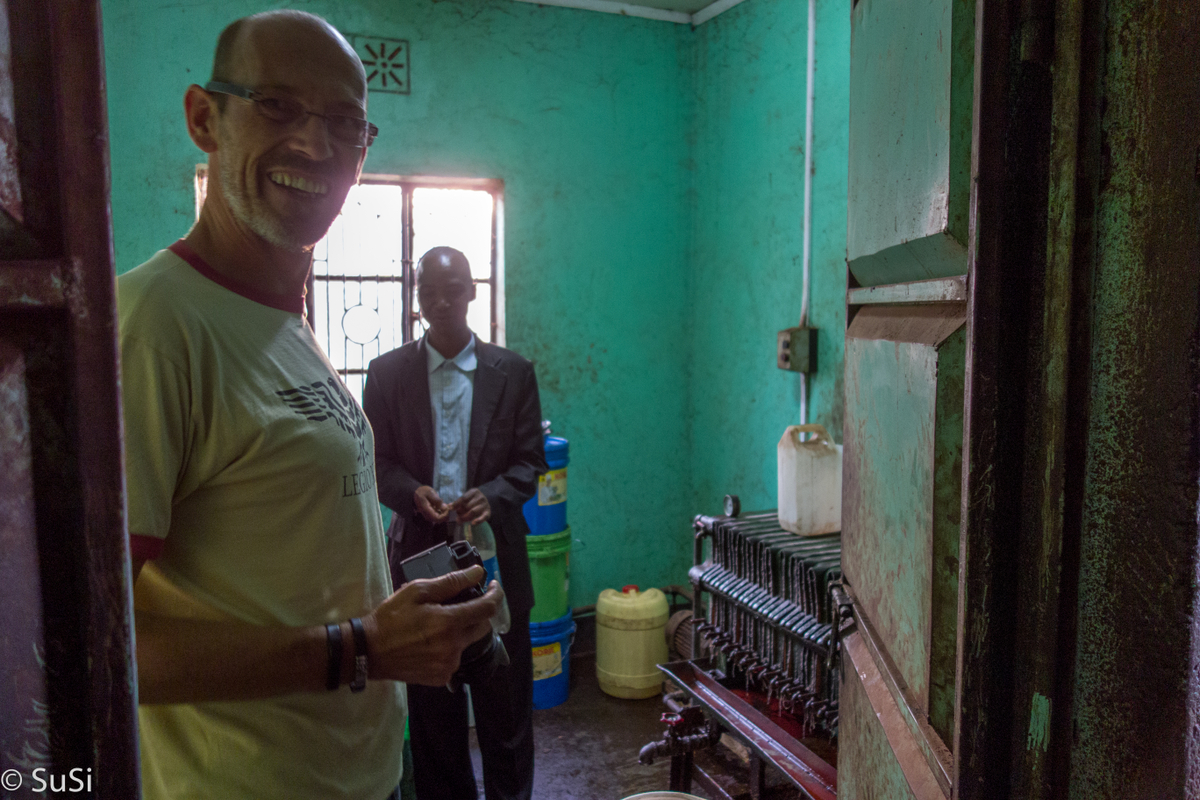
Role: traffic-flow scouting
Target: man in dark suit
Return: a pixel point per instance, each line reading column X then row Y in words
column 458, row 435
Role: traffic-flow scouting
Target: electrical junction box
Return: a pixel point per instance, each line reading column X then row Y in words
column 797, row 350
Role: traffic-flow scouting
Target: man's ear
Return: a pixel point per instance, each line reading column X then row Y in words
column 200, row 110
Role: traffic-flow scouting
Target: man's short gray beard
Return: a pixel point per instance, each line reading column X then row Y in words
column 270, row 230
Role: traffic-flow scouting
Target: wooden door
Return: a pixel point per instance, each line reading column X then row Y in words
column 1062, row 415
column 67, row 695
column 911, row 97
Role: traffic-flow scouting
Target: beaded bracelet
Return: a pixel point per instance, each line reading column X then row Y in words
column 360, row 655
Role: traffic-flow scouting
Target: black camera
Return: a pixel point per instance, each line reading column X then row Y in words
column 481, row 658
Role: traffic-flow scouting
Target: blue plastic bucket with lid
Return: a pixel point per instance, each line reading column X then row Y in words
column 546, row 511
column 551, row 660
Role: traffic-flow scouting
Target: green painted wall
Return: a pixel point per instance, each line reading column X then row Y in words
column 748, row 167
column 598, row 124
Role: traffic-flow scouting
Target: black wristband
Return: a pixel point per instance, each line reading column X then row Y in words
column 333, row 641
column 359, row 682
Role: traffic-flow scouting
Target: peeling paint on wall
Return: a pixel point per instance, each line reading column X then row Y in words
column 1039, row 723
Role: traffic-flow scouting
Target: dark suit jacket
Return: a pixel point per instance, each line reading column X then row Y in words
column 505, row 454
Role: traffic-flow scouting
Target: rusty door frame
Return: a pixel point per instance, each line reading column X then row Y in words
column 1026, row 402
column 991, row 447
column 65, row 282
column 85, row 181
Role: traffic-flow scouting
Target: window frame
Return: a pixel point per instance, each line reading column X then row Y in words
column 408, row 183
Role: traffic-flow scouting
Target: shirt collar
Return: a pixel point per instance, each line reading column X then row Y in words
column 465, row 360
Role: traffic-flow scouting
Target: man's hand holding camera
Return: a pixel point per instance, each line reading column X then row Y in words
column 412, row 637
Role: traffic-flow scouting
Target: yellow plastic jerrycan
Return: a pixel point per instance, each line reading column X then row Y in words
column 630, row 641
column 810, row 482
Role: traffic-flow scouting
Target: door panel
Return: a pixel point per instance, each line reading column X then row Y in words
column 911, row 72
column 22, row 648
column 903, row 491
column 887, row 516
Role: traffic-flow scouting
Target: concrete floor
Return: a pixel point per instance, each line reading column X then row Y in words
column 587, row 748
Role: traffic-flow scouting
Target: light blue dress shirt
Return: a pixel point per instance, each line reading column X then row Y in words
column 451, row 390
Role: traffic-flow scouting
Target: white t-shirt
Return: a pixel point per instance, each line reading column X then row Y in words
column 251, row 486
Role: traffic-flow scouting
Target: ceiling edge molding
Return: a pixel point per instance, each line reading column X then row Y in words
column 629, row 10
column 712, row 9
column 613, row 7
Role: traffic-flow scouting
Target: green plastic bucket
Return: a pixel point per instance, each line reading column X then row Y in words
column 550, row 570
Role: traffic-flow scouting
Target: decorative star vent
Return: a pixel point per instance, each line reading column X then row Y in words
column 386, row 62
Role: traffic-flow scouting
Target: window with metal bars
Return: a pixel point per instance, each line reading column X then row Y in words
column 361, row 298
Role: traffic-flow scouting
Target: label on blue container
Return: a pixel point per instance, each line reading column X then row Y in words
column 552, row 487
column 547, row 661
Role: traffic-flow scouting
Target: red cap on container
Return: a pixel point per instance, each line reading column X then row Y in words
column 627, row 589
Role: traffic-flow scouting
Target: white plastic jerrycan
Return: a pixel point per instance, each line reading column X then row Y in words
column 810, row 482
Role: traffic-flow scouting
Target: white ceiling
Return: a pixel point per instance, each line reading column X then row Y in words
column 684, row 12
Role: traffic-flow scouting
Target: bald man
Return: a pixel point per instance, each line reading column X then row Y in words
column 458, row 422
column 270, row 646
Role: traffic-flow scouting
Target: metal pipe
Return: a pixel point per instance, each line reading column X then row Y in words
column 810, row 96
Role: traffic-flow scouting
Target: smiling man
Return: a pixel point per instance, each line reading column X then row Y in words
column 270, row 646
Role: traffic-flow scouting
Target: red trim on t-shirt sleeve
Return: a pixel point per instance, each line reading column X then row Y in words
column 145, row 547
column 283, row 302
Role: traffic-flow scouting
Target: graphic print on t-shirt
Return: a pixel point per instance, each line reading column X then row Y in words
column 329, row 400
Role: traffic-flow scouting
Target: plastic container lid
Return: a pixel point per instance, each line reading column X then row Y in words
column 632, row 610
column 556, row 448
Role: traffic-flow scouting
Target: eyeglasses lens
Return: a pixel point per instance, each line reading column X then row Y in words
column 347, row 130
column 279, row 110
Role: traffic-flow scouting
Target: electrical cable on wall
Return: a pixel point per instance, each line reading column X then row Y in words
column 808, row 174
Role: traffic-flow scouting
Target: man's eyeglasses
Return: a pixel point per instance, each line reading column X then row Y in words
column 352, row 131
